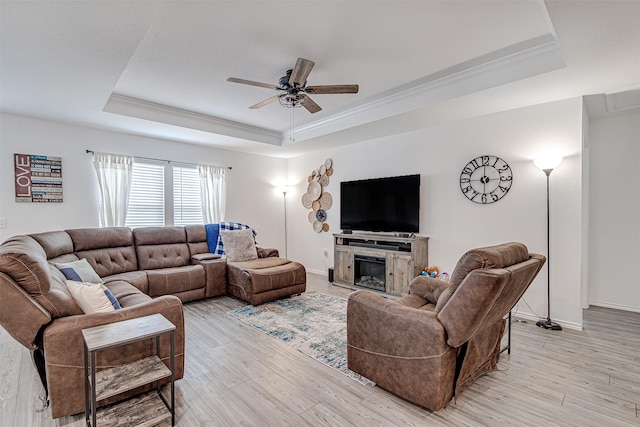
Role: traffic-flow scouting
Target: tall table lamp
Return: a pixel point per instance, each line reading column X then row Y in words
column 547, row 164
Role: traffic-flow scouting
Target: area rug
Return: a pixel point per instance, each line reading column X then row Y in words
column 313, row 322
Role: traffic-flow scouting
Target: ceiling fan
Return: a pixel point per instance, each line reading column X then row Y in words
column 293, row 88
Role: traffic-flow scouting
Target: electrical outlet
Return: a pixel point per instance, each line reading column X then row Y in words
column 325, row 252
column 3, row 223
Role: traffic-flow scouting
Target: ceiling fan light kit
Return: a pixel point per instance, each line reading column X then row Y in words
column 294, row 89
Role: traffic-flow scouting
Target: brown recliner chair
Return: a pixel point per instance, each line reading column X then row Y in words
column 431, row 344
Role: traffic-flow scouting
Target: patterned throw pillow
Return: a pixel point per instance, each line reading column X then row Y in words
column 239, row 245
column 79, row 271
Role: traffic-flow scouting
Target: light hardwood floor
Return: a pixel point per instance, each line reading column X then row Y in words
column 238, row 376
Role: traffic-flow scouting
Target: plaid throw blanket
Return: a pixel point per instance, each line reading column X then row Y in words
column 213, row 235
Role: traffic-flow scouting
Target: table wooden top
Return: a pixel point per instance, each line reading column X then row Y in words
column 126, row 331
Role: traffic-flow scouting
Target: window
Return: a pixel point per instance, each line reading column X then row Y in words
column 146, row 200
column 187, row 204
column 164, row 194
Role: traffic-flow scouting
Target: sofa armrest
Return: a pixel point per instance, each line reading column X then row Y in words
column 63, row 342
column 428, row 288
column 268, row 252
column 205, row 256
column 64, row 351
column 20, row 315
column 376, row 324
column 215, row 272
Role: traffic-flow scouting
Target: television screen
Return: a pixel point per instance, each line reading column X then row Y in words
column 383, row 204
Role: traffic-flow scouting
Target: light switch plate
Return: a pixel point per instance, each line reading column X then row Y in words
column 3, row 222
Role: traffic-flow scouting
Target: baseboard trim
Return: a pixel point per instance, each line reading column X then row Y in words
column 615, row 306
column 534, row 318
column 318, row 272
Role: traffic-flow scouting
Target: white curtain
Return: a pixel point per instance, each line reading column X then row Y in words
column 114, row 178
column 213, row 192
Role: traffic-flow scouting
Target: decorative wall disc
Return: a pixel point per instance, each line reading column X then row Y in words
column 316, row 198
column 326, row 201
column 306, row 200
column 314, row 190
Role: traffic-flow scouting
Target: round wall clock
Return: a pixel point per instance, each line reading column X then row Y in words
column 486, row 179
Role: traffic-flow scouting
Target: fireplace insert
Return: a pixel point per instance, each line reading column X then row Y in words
column 370, row 272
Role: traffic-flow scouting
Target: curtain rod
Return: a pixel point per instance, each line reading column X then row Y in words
column 164, row 160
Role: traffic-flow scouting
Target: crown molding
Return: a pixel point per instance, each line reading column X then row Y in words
column 519, row 61
column 147, row 110
column 522, row 60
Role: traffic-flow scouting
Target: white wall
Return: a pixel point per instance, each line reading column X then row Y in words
column 250, row 195
column 453, row 223
column 614, row 211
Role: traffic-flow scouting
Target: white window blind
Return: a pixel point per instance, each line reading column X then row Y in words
column 187, row 204
column 146, row 200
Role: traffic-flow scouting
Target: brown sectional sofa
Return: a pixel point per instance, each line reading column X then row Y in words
column 149, row 270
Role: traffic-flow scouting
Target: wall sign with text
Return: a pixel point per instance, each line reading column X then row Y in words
column 38, row 179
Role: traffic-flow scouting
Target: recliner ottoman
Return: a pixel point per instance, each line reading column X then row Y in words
column 265, row 279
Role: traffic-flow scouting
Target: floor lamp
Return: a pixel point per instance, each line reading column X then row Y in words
column 547, row 165
column 285, row 190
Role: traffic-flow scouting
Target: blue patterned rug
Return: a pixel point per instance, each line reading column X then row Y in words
column 314, row 323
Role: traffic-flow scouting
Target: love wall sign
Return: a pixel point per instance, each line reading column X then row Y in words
column 38, row 179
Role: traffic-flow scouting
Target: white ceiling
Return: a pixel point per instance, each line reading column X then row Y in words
column 160, row 68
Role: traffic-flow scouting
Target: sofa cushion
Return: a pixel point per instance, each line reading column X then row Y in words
column 239, row 245
column 161, row 247
column 260, row 263
column 126, row 294
column 197, row 239
column 175, row 280
column 54, row 243
column 90, row 297
column 79, row 271
column 266, row 274
column 109, row 250
column 138, row 279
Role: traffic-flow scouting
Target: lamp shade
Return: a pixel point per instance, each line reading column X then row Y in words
column 548, row 162
column 284, row 189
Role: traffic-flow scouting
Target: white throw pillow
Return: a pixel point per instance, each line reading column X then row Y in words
column 90, row 297
column 239, row 245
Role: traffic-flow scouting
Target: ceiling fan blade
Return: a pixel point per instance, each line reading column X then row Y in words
column 332, row 89
column 252, row 83
column 265, row 102
column 301, row 71
column 310, row 105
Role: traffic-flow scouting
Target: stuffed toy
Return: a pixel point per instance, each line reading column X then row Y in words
column 431, row 271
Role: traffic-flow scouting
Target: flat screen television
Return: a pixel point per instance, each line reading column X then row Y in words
column 382, row 204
